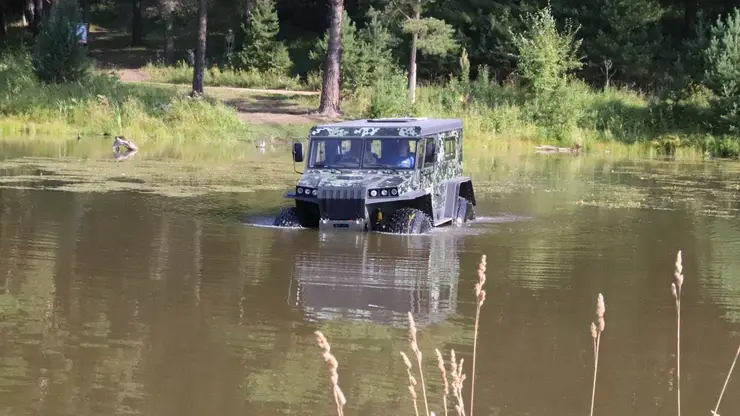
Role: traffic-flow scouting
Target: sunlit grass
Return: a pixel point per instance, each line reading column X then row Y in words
column 214, row 76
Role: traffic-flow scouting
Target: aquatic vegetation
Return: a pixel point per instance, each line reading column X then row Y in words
column 177, row 179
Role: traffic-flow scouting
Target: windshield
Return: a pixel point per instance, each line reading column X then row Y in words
column 358, row 153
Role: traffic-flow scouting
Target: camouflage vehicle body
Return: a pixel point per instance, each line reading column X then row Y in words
column 366, row 195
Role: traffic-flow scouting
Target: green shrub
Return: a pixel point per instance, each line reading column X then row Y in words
column 389, row 96
column 545, row 56
column 16, row 72
column 58, row 55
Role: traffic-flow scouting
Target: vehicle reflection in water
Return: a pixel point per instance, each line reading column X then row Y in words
column 378, row 278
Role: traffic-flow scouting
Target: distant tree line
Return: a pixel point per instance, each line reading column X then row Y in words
column 656, row 45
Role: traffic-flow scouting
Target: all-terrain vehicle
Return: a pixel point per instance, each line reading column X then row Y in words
column 401, row 175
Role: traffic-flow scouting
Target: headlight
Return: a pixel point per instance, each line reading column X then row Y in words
column 383, row 192
column 305, row 191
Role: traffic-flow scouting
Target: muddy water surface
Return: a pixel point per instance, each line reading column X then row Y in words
column 126, row 297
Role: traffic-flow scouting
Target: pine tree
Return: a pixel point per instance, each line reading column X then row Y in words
column 429, row 35
column 58, row 56
column 261, row 49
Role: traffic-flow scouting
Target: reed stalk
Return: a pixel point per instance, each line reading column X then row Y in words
column 457, row 382
column 446, row 387
column 333, row 365
column 724, row 387
column 480, row 295
column 676, row 290
column 596, row 330
column 412, row 382
column 417, row 353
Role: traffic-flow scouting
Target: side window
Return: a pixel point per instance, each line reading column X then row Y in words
column 450, row 148
column 319, row 153
column 430, row 152
column 420, row 152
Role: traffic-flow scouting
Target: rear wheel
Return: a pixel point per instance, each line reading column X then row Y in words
column 408, row 221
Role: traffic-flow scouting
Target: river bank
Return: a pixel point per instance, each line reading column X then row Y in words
column 161, row 115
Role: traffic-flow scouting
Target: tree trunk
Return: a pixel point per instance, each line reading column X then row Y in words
column 136, row 36
column 412, row 64
column 3, row 24
column 48, row 4
column 38, row 9
column 28, row 14
column 690, row 10
column 200, row 49
column 86, row 11
column 330, row 84
column 169, row 38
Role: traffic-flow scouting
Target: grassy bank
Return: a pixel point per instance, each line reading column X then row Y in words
column 594, row 119
column 217, row 77
column 103, row 105
column 497, row 117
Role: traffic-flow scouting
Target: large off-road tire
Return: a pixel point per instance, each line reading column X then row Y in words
column 465, row 211
column 408, row 221
column 294, row 217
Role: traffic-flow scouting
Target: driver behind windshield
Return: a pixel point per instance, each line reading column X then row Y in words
column 397, row 153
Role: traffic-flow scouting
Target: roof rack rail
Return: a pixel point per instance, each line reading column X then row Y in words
column 395, row 119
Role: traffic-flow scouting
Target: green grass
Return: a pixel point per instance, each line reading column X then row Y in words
column 214, row 76
column 496, row 115
column 102, row 104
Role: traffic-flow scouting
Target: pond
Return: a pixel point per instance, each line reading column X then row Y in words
column 157, row 287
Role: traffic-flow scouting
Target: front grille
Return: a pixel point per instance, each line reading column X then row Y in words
column 347, row 203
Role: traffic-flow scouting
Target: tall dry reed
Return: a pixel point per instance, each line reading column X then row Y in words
column 443, row 372
column 724, row 387
column 676, row 290
column 417, row 353
column 596, row 330
column 480, row 296
column 457, row 382
column 333, row 365
column 412, row 382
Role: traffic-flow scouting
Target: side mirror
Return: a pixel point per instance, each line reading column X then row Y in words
column 298, row 152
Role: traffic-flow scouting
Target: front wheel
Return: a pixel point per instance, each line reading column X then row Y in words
column 295, row 217
column 465, row 211
column 408, row 221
